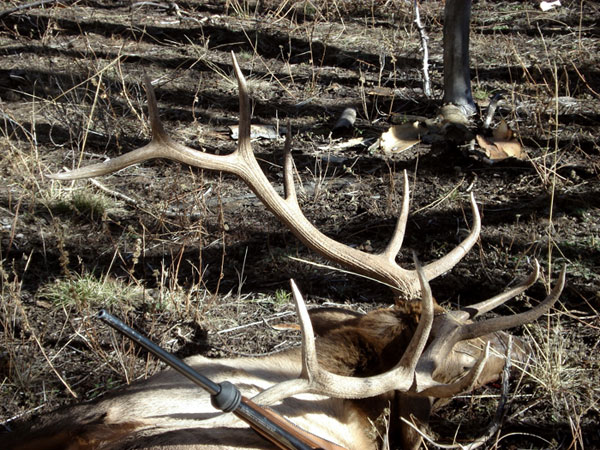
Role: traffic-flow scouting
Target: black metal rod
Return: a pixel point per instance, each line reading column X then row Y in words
column 240, row 406
column 176, row 363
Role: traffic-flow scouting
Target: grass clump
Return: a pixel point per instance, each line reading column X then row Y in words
column 565, row 374
column 88, row 291
column 83, row 203
column 91, row 205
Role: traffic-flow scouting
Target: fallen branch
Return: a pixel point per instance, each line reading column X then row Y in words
column 31, row 5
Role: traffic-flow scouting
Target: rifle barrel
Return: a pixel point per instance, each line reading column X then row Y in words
column 245, row 409
column 176, row 363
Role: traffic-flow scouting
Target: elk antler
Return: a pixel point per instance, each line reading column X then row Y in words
column 434, row 337
column 454, row 326
column 428, row 348
column 242, row 162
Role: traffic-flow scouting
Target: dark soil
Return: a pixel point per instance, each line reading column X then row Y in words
column 200, row 253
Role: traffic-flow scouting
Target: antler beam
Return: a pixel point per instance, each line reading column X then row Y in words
column 242, row 162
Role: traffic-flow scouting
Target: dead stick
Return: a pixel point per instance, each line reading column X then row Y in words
column 425, row 48
column 9, row 11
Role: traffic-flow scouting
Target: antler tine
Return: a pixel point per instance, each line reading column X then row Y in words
column 395, row 244
column 310, row 364
column 161, row 146
column 473, row 311
column 447, row 262
column 309, row 352
column 244, row 145
column 158, row 131
column 478, row 329
column 417, row 344
column 151, row 151
column 288, row 168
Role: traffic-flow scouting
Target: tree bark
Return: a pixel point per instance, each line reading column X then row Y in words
column 457, row 77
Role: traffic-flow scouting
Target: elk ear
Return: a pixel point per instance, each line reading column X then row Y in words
column 325, row 320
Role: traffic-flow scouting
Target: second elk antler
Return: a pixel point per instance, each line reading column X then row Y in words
column 242, row 162
column 427, row 353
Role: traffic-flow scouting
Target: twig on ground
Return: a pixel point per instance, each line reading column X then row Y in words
column 170, row 213
column 31, row 5
column 114, row 193
column 258, row 322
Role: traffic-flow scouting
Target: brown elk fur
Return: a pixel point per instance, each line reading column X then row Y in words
column 167, row 411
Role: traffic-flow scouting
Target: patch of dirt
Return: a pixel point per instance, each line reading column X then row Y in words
column 211, row 263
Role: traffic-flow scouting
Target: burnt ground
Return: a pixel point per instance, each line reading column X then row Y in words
column 193, row 259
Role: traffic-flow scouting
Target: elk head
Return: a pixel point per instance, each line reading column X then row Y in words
column 417, row 350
